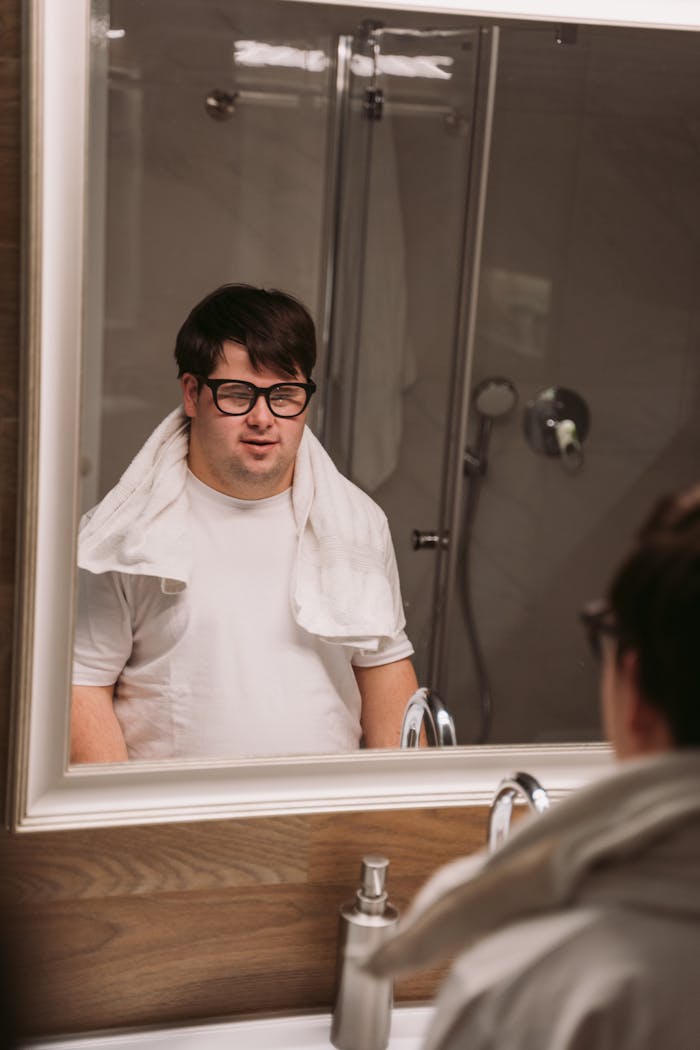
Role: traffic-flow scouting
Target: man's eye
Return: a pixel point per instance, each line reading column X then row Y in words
column 239, row 397
column 285, row 394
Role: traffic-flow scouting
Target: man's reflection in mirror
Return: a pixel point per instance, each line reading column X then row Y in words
column 237, row 595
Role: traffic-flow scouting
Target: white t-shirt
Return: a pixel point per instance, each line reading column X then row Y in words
column 221, row 669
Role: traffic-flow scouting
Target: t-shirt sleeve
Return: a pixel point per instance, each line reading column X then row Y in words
column 390, row 649
column 103, row 635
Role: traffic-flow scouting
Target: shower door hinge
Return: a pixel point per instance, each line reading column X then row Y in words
column 373, row 103
column 421, row 541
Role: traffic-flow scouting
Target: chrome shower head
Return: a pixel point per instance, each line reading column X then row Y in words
column 495, row 397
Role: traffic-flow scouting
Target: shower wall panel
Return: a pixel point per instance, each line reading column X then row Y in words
column 591, row 269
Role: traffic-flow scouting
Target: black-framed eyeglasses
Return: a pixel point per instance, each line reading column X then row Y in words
column 598, row 620
column 234, row 397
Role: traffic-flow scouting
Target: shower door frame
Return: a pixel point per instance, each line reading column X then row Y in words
column 463, row 358
column 464, row 325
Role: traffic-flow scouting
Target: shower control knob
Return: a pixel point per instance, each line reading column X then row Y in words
column 421, row 541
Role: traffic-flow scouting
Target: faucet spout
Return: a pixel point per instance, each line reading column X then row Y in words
column 517, row 784
column 425, row 710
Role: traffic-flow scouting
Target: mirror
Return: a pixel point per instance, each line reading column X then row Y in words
column 515, row 309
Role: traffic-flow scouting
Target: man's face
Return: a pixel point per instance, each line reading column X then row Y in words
column 250, row 456
column 633, row 725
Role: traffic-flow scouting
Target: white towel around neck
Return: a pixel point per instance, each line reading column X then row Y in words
column 341, row 590
column 548, row 859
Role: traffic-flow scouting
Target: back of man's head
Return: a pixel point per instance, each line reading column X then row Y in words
column 655, row 600
column 274, row 327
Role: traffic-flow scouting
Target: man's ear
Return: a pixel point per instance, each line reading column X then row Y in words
column 190, row 394
column 646, row 726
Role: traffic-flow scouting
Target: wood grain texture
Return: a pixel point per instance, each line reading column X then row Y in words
column 411, row 839
column 10, row 29
column 112, row 862
column 9, row 167
column 135, row 926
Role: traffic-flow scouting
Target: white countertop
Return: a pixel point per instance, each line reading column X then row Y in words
column 309, row 1031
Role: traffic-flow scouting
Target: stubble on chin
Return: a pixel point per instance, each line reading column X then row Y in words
column 256, row 483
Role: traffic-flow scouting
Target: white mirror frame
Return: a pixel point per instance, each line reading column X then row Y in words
column 645, row 14
column 43, row 793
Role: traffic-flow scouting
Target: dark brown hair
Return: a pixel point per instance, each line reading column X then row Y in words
column 274, row 327
column 655, row 601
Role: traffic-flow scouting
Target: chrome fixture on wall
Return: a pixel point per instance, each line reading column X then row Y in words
column 373, row 102
column 493, row 398
column 556, row 423
column 221, row 105
column 427, row 541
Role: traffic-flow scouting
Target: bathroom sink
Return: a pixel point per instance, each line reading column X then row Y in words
column 288, row 1032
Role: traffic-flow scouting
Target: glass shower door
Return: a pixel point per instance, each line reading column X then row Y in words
column 408, row 110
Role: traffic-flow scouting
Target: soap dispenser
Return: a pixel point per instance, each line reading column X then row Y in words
column 362, row 1012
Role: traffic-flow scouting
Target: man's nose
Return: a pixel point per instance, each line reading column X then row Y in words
column 260, row 415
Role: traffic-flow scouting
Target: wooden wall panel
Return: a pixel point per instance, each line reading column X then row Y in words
column 114, row 927
column 108, row 862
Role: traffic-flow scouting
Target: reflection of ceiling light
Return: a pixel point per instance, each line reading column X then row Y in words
column 252, row 53
column 116, row 34
column 402, row 66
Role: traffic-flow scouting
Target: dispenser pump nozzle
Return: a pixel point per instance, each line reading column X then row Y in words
column 371, row 896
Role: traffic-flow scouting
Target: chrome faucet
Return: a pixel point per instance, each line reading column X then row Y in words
column 510, row 787
column 425, row 710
